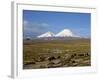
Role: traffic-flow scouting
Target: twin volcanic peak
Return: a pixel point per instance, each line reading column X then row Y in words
column 63, row 33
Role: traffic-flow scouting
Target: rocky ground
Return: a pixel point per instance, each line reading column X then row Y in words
column 58, row 60
column 56, row 53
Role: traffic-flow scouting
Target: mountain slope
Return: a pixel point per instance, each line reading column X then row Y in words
column 47, row 34
column 65, row 33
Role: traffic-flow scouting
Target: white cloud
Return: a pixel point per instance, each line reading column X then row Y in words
column 34, row 28
column 45, row 24
column 25, row 22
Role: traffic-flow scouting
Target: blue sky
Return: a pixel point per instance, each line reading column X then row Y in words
column 38, row 22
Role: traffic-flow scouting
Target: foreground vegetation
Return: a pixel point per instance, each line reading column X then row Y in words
column 56, row 53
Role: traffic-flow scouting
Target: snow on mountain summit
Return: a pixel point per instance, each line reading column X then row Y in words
column 65, row 33
column 47, row 34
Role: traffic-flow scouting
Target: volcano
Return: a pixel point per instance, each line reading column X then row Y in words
column 63, row 33
column 47, row 34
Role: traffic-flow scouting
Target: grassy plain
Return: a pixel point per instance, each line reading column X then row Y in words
column 56, row 53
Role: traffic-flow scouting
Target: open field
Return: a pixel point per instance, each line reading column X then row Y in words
column 56, row 53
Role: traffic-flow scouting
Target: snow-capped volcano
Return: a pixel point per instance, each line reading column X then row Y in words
column 65, row 33
column 47, row 34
